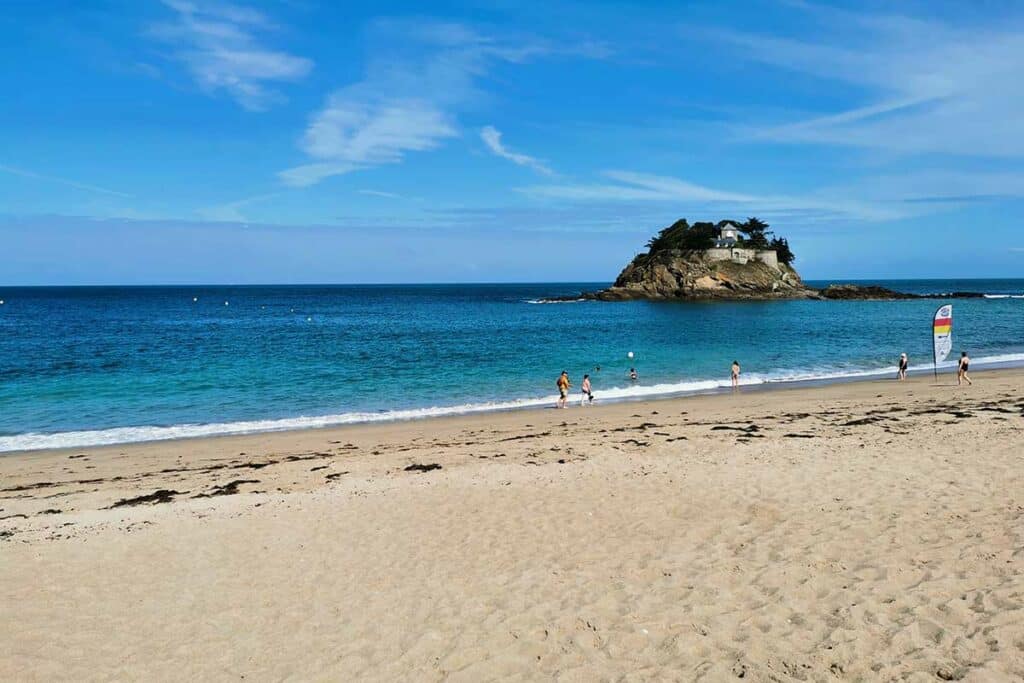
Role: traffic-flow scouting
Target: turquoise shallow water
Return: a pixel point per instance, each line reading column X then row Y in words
column 88, row 365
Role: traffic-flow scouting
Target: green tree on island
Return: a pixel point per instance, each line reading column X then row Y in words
column 681, row 235
column 755, row 233
column 782, row 250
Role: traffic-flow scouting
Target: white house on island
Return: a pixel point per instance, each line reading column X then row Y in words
column 725, row 249
column 728, row 235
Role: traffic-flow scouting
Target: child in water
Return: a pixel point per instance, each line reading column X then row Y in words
column 588, row 395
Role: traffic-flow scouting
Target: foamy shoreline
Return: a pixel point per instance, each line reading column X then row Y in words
column 640, row 392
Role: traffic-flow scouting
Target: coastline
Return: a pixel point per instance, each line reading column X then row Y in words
column 866, row 528
column 634, row 393
column 189, row 366
column 293, row 441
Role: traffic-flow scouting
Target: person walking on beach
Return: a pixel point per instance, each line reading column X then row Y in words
column 588, row 395
column 735, row 374
column 901, row 374
column 563, row 389
column 961, row 370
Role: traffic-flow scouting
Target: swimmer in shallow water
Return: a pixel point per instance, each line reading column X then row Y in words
column 735, row 374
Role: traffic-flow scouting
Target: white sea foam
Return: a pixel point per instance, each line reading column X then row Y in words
column 554, row 301
column 1003, row 296
column 78, row 439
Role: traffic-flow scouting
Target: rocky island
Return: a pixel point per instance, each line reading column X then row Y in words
column 726, row 261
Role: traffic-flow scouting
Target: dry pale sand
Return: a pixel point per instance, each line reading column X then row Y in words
column 869, row 531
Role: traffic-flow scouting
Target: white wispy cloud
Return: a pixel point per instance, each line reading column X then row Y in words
column 928, row 86
column 360, row 127
column 25, row 173
column 631, row 187
column 492, row 138
column 231, row 212
column 936, row 185
column 379, row 193
column 217, row 43
column 411, row 96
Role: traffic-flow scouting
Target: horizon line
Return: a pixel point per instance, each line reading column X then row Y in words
column 449, row 283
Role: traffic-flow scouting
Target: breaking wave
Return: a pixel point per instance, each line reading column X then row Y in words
column 100, row 437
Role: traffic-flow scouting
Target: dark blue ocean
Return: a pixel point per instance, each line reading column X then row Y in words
column 90, row 365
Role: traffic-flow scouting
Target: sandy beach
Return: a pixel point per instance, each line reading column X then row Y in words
column 868, row 531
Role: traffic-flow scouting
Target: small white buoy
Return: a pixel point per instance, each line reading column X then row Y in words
column 225, row 303
column 195, row 299
column 1, row 302
column 629, row 355
column 309, row 320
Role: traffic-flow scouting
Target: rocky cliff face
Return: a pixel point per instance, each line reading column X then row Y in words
column 676, row 274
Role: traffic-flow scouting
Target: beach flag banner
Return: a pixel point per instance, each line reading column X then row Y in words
column 942, row 334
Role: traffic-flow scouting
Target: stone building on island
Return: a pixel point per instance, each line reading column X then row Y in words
column 729, row 248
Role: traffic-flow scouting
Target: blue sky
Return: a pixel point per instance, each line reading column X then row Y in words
column 302, row 141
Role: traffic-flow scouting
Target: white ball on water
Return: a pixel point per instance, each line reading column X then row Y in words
column 195, row 299
column 225, row 303
column 629, row 355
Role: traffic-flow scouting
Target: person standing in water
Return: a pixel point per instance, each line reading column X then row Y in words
column 588, row 394
column 735, row 374
column 961, row 369
column 632, row 375
column 563, row 389
column 901, row 374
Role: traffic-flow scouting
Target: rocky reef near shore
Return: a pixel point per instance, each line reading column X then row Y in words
column 876, row 293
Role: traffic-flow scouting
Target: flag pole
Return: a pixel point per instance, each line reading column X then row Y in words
column 935, row 351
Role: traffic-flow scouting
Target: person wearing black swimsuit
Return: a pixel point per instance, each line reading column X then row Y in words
column 961, row 370
column 904, row 362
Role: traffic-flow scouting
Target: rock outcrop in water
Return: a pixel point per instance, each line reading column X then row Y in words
column 727, row 261
column 876, row 293
column 862, row 292
column 692, row 275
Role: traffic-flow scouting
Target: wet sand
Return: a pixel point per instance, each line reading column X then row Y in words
column 867, row 531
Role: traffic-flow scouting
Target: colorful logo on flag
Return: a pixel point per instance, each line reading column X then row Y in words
column 942, row 332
